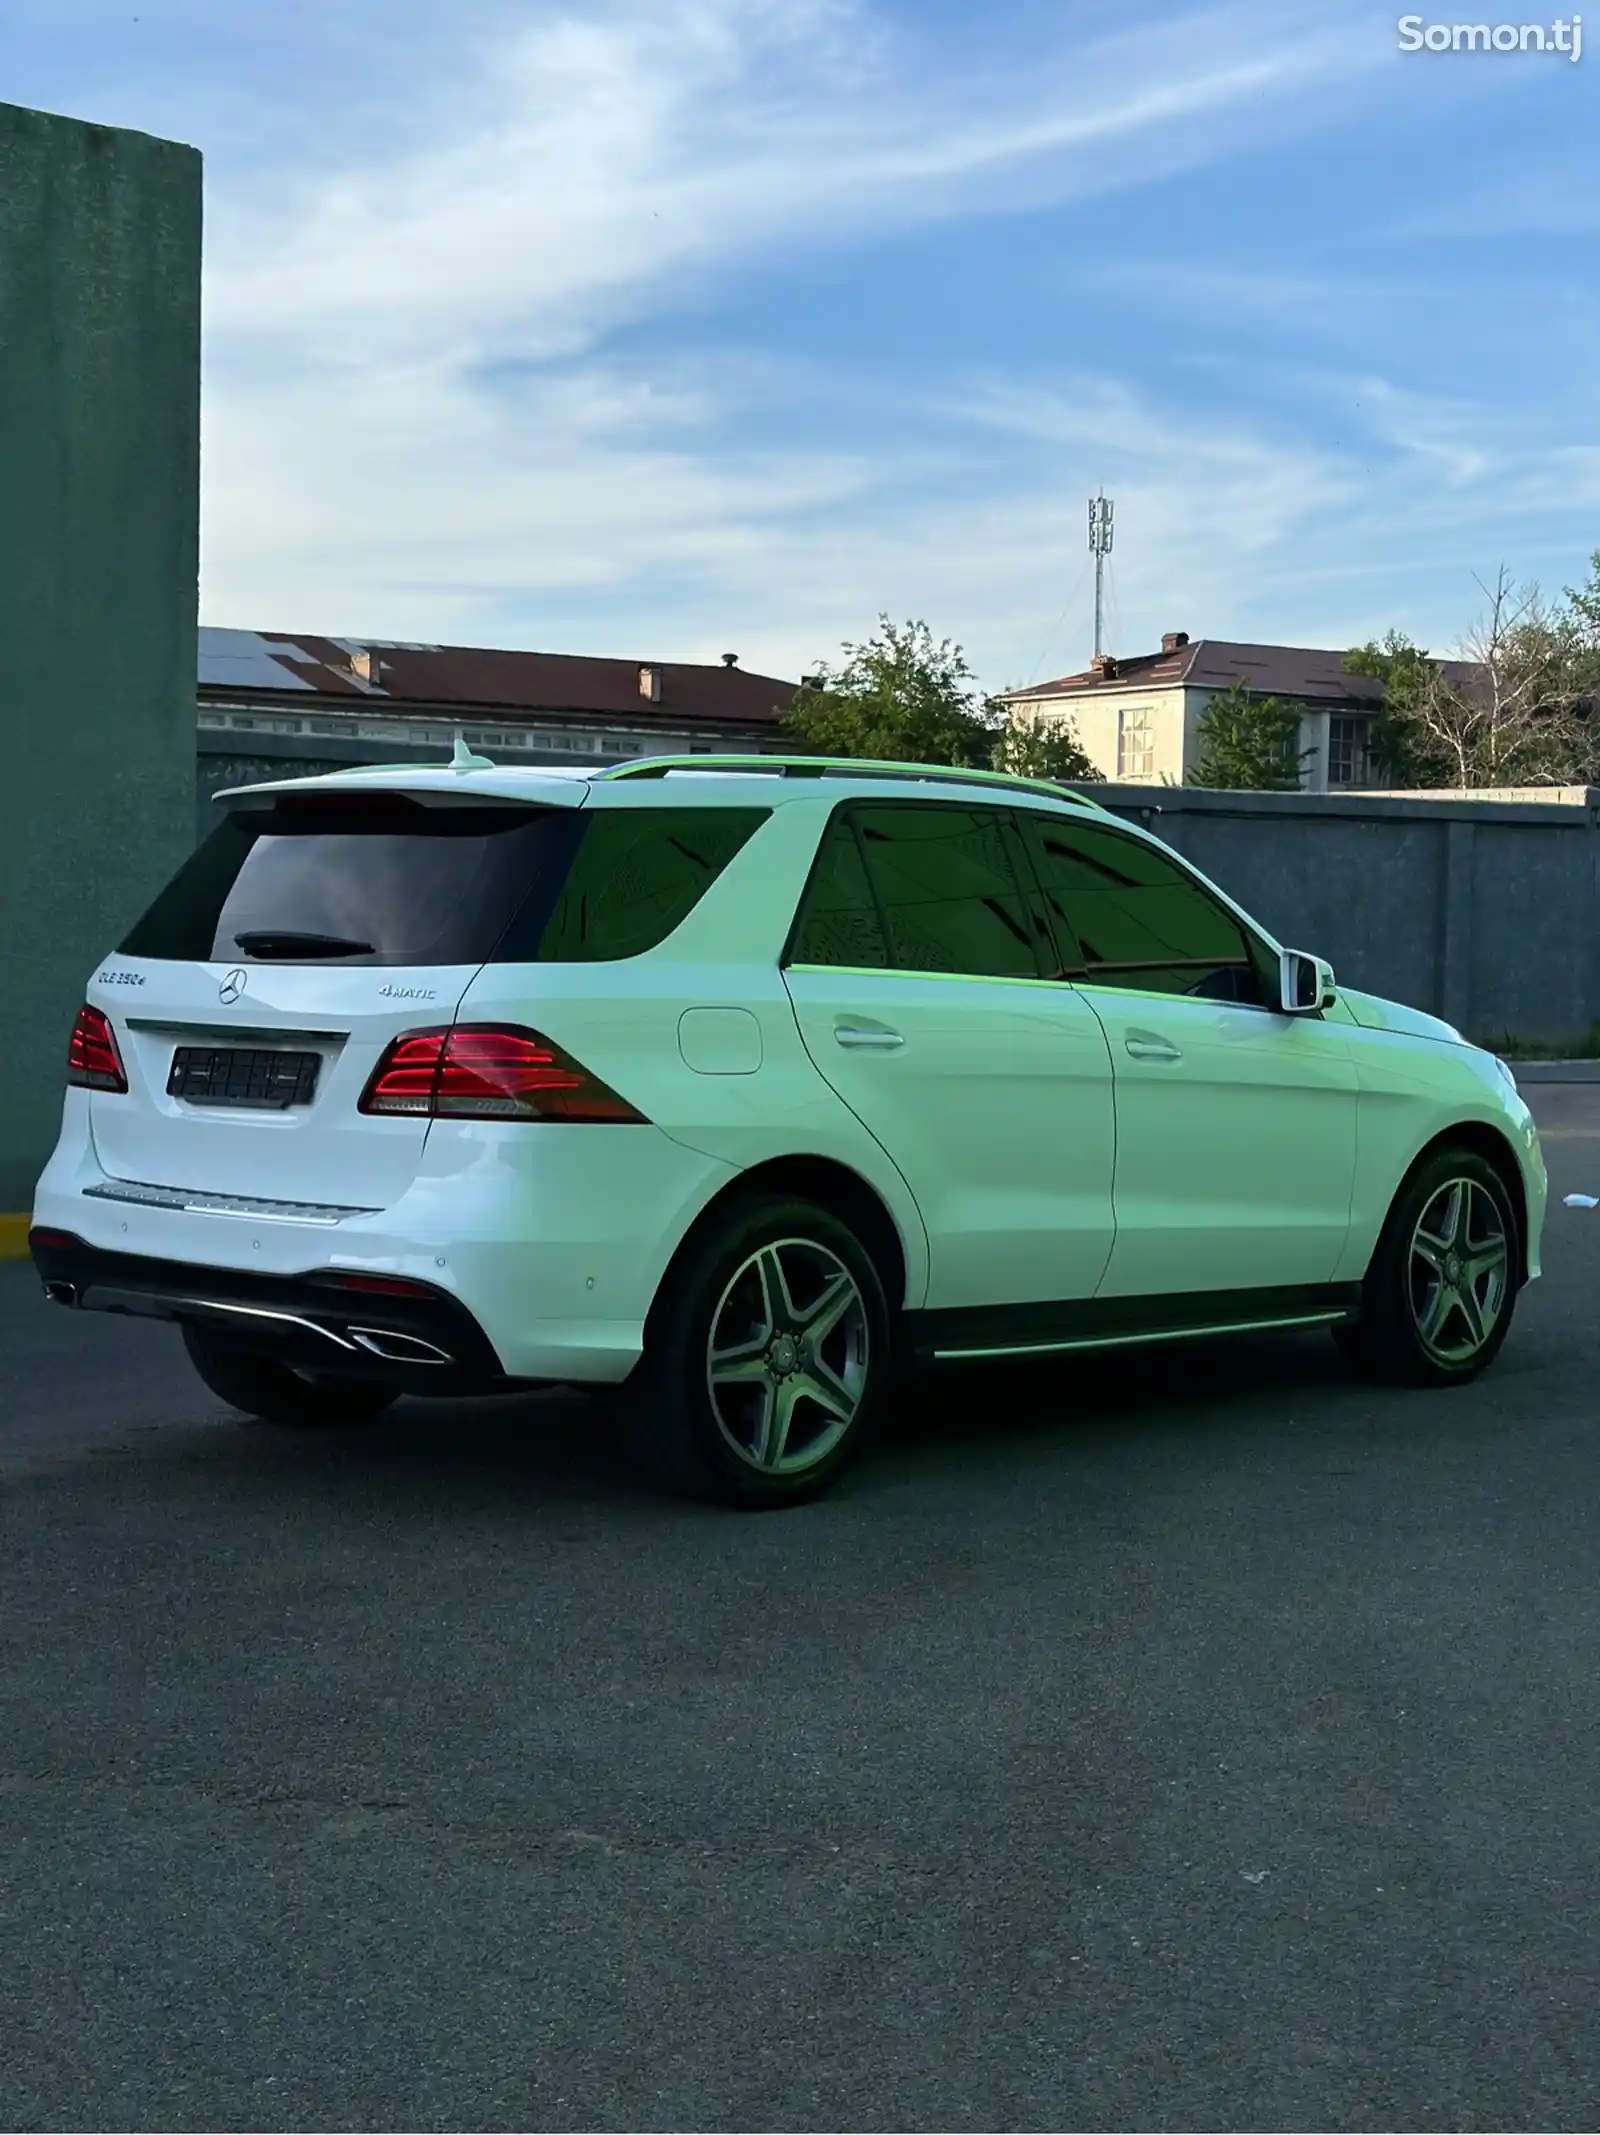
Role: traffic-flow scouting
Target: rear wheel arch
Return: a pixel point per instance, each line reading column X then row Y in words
column 831, row 1185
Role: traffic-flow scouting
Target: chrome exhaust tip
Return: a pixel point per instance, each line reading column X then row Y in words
column 61, row 1293
column 399, row 1348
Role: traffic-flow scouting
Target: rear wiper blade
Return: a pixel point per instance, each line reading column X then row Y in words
column 267, row 943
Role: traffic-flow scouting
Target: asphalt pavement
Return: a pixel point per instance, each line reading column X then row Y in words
column 1185, row 1741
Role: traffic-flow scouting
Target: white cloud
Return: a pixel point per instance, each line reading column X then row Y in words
column 421, row 422
column 411, row 423
column 600, row 154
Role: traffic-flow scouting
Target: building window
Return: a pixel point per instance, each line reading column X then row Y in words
column 1136, row 754
column 1349, row 758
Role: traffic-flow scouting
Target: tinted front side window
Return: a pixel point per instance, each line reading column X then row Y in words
column 637, row 875
column 356, row 880
column 839, row 922
column 1128, row 916
column 949, row 894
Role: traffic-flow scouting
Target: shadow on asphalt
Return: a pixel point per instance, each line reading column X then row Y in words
column 982, row 1422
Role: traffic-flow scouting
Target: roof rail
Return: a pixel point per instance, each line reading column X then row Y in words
column 850, row 767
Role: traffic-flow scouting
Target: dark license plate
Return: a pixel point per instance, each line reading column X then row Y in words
column 205, row 1075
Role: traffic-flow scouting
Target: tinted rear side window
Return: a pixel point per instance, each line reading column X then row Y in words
column 358, row 880
column 637, row 875
column 949, row 892
column 839, row 922
column 379, row 880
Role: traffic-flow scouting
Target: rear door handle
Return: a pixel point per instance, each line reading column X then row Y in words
column 1143, row 1045
column 876, row 1039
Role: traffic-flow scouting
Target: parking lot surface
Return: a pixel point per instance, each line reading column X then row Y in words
column 1188, row 1740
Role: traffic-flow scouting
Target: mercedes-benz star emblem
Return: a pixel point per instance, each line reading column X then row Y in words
column 232, row 986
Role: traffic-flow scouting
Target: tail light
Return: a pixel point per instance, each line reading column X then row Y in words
column 489, row 1071
column 93, row 1062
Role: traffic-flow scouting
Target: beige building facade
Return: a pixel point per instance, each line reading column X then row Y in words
column 1138, row 719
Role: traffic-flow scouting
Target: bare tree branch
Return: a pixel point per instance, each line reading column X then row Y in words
column 1509, row 709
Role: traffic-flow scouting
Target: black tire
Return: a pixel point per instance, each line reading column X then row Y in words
column 710, row 1447
column 271, row 1392
column 1390, row 1341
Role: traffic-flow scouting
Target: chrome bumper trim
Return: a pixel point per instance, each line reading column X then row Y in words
column 317, row 1215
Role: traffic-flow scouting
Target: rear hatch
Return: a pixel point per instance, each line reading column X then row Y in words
column 313, row 926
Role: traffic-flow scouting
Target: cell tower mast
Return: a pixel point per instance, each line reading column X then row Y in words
column 1100, row 512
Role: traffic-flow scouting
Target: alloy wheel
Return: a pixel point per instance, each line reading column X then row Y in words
column 1458, row 1271
column 788, row 1356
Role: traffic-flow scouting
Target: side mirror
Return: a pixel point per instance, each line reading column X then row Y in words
column 1305, row 983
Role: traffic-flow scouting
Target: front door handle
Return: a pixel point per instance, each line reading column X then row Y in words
column 876, row 1039
column 1144, row 1045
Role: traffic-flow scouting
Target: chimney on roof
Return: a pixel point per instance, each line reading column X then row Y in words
column 1103, row 666
column 730, row 659
column 1174, row 640
column 367, row 667
column 650, row 683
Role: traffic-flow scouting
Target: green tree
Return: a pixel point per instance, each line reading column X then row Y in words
column 903, row 698
column 1249, row 743
column 1582, row 616
column 1583, row 609
column 1404, row 749
column 900, row 697
column 1512, row 709
column 1029, row 746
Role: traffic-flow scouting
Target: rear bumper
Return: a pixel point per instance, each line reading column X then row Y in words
column 424, row 1340
column 550, row 1242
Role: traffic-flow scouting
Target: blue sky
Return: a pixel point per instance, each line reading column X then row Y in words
column 676, row 327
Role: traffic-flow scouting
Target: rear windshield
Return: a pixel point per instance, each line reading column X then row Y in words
column 380, row 879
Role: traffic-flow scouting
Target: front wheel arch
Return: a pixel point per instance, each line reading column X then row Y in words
column 1488, row 1143
column 1387, row 1339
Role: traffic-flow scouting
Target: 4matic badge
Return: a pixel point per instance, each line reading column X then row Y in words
column 408, row 993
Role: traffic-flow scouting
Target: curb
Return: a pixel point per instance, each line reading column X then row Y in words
column 13, row 1237
column 1555, row 1070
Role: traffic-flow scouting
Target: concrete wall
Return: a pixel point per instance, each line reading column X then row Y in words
column 99, row 485
column 1484, row 912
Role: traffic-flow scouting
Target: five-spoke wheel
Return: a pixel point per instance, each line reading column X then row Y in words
column 765, row 1356
column 1460, row 1270
column 788, row 1356
column 1439, row 1295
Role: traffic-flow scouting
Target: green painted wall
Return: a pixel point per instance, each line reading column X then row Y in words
column 99, row 512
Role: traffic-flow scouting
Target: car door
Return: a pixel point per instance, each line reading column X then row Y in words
column 918, row 986
column 1236, row 1124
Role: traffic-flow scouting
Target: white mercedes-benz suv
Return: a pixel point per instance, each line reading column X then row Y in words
column 737, row 1084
